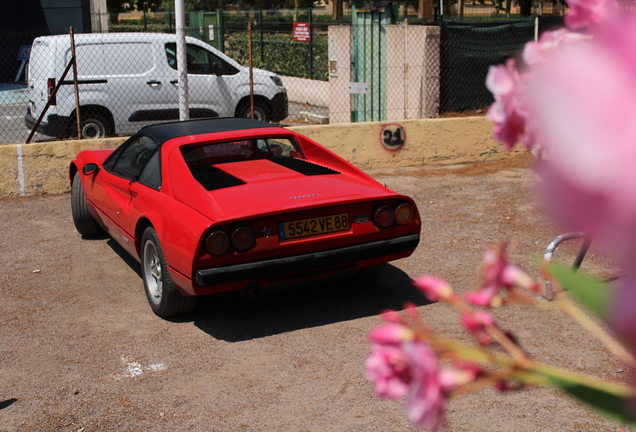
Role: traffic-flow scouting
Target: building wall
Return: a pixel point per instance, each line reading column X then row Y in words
column 47, row 16
column 21, row 21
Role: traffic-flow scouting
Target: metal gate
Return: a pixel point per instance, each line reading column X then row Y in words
column 369, row 63
column 208, row 27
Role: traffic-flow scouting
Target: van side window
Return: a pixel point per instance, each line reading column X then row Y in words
column 99, row 59
column 200, row 61
column 139, row 58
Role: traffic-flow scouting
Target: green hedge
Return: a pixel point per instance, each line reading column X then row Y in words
column 131, row 28
column 270, row 18
column 281, row 54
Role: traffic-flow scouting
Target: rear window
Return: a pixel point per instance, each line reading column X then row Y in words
column 236, row 151
column 205, row 161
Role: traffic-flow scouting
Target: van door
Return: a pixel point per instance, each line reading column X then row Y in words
column 138, row 87
column 212, row 81
column 41, row 69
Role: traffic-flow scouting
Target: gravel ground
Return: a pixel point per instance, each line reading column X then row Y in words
column 81, row 351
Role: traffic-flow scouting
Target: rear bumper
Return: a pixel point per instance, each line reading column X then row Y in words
column 275, row 268
column 55, row 125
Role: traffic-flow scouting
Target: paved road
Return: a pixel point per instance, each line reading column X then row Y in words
column 12, row 128
column 14, row 99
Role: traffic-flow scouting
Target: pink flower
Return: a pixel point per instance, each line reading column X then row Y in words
column 402, row 364
column 433, row 287
column 485, row 297
column 388, row 366
column 536, row 53
column 622, row 317
column 460, row 374
column 476, row 322
column 583, row 13
column 431, row 386
column 498, row 274
column 504, row 82
column 502, row 386
column 391, row 316
column 426, row 401
column 582, row 100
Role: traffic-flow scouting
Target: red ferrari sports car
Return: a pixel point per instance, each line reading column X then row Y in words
column 231, row 204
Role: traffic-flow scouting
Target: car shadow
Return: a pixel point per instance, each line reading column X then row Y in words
column 124, row 255
column 232, row 318
column 283, row 308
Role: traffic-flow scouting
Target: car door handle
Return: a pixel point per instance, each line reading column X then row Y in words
column 153, row 83
column 175, row 82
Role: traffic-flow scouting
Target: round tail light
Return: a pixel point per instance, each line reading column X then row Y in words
column 383, row 216
column 242, row 238
column 404, row 213
column 217, row 243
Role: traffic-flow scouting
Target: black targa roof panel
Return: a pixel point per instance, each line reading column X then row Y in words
column 165, row 131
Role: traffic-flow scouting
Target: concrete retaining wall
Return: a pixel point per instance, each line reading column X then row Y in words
column 42, row 168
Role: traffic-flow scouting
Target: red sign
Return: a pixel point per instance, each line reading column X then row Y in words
column 301, row 32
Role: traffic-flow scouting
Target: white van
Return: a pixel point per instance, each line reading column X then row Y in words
column 129, row 80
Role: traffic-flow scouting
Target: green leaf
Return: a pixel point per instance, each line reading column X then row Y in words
column 610, row 399
column 594, row 294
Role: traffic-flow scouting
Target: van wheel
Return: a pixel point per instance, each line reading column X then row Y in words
column 92, row 127
column 260, row 112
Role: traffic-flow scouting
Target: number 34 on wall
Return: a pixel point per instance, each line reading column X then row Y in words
column 392, row 136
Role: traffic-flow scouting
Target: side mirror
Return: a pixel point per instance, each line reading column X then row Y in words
column 90, row 168
column 216, row 69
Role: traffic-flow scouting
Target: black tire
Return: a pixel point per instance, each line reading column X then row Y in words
column 370, row 273
column 93, row 126
column 260, row 112
column 84, row 222
column 163, row 296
